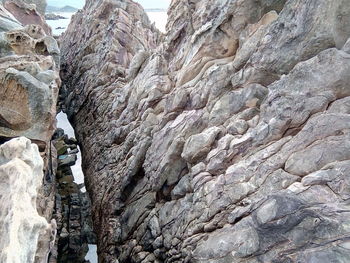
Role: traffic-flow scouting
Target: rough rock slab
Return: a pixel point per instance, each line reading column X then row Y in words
column 225, row 141
column 40, row 5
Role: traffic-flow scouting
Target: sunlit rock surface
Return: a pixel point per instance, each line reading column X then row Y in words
column 21, row 227
column 226, row 140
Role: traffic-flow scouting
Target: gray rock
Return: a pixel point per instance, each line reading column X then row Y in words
column 226, row 140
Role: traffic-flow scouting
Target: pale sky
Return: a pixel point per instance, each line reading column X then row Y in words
column 80, row 3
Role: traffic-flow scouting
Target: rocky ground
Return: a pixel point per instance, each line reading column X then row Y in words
column 72, row 208
column 225, row 140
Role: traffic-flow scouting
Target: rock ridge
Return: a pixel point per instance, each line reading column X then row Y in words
column 224, row 140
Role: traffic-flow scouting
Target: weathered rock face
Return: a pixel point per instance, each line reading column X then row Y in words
column 226, row 143
column 29, row 80
column 22, row 229
column 27, row 14
column 40, row 5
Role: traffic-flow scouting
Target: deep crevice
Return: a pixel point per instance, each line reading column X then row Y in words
column 132, row 184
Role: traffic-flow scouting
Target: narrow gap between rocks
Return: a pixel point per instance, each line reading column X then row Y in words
column 76, row 240
column 72, row 194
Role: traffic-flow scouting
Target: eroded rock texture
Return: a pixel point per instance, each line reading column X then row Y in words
column 27, row 14
column 227, row 140
column 39, row 5
column 21, row 227
column 29, row 61
column 29, row 80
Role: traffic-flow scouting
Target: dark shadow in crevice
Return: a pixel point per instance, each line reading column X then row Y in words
column 128, row 189
column 4, row 139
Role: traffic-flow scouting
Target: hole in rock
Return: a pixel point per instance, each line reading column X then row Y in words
column 133, row 183
column 41, row 48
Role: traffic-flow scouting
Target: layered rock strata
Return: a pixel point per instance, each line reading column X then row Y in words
column 226, row 140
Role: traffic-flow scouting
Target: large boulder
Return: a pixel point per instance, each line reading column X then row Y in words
column 226, row 140
column 29, row 81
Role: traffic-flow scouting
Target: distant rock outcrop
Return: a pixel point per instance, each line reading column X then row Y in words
column 67, row 9
column 54, row 17
column 226, row 140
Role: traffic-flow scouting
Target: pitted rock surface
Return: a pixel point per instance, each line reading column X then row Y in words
column 29, row 80
column 225, row 140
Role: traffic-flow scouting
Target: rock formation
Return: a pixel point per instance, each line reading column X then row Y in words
column 21, row 227
column 29, row 61
column 27, row 14
column 29, row 80
column 39, row 5
column 226, row 140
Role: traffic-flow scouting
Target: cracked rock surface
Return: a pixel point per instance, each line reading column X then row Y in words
column 224, row 140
